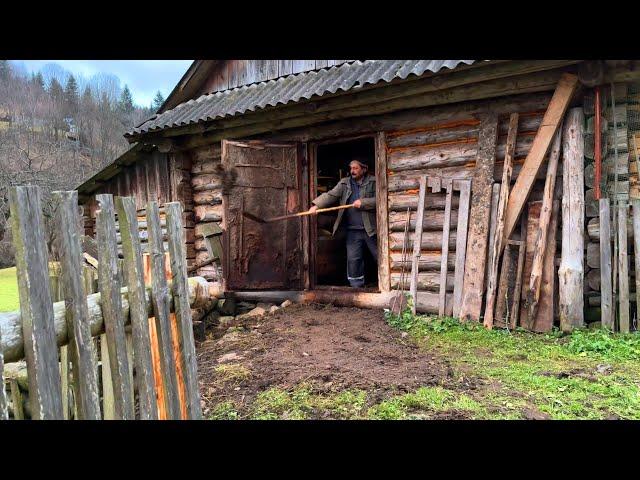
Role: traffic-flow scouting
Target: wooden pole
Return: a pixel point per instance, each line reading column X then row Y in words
column 445, row 251
column 417, row 242
column 533, row 293
column 502, row 205
column 606, row 286
column 571, row 271
column 623, row 268
column 461, row 242
column 635, row 202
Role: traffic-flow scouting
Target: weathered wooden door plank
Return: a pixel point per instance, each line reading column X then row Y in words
column 444, row 258
column 417, row 242
column 461, row 242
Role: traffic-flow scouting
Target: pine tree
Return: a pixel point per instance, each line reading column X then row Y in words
column 5, row 70
column 55, row 90
column 71, row 97
column 158, row 100
column 37, row 79
column 125, row 105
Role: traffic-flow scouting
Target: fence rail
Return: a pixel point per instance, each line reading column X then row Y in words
column 81, row 362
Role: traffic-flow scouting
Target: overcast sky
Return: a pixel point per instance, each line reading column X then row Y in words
column 144, row 77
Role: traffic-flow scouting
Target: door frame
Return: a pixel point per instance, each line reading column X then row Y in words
column 310, row 230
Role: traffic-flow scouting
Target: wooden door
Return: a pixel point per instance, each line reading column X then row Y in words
column 265, row 181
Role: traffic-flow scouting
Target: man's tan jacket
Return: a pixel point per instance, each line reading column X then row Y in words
column 342, row 191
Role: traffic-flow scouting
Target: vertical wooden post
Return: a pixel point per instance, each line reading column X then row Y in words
column 623, row 268
column 496, row 239
column 36, row 306
column 114, row 340
column 606, row 287
column 635, row 202
column 160, row 301
column 137, row 306
column 108, row 398
column 382, row 213
column 80, row 342
column 182, row 308
column 417, row 243
column 461, row 242
column 571, row 271
column 474, row 272
column 444, row 252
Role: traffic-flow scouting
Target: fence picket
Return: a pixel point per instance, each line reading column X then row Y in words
column 36, row 306
column 114, row 341
column 160, row 299
column 75, row 295
column 182, row 308
column 137, row 307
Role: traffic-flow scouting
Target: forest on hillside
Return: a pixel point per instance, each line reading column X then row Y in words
column 57, row 130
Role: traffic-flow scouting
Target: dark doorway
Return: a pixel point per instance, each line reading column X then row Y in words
column 332, row 164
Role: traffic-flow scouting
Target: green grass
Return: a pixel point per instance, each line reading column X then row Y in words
column 8, row 290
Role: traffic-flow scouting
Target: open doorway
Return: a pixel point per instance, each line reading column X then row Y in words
column 332, row 164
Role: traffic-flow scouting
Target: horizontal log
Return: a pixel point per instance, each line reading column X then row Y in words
column 591, row 124
column 449, row 132
column 593, row 229
column 589, row 142
column 427, row 302
column 200, row 295
column 209, row 181
column 429, row 281
column 414, row 158
column 593, row 255
column 399, row 202
column 620, row 112
column 208, row 213
column 617, row 139
column 529, row 122
column 206, row 153
column 430, row 241
column 207, row 197
column 593, row 279
column 591, row 205
column 432, row 220
column 427, row 261
column 399, row 182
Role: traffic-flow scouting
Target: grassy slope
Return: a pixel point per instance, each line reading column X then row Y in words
column 588, row 375
column 8, row 290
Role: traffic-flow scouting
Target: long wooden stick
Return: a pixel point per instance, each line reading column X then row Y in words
column 502, row 206
column 533, row 295
column 320, row 210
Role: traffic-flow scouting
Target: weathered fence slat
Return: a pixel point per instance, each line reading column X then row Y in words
column 461, row 243
column 109, row 280
column 445, row 251
column 623, row 269
column 606, row 287
column 108, row 399
column 36, row 306
column 160, row 300
column 80, row 344
column 182, row 309
column 137, row 307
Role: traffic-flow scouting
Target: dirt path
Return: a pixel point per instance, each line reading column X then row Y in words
column 330, row 348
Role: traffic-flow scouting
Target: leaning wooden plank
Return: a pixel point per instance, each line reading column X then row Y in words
column 496, row 239
column 36, row 306
column 137, row 307
column 571, row 271
column 493, row 221
column 636, row 244
column 108, row 400
column 623, row 269
column 461, row 242
column 533, row 291
column 109, row 285
column 183, row 311
column 505, row 289
column 475, row 264
column 445, row 251
column 417, row 241
column 160, row 300
column 535, row 158
column 515, row 307
column 80, row 344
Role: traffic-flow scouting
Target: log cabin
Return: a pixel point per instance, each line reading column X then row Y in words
column 266, row 137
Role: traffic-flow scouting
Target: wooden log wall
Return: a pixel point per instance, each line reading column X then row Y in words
column 447, row 149
column 153, row 177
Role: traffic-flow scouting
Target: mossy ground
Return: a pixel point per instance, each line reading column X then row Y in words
column 591, row 374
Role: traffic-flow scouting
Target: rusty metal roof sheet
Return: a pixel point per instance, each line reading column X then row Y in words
column 292, row 88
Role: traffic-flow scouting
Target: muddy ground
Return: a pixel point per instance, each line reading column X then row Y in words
column 330, row 348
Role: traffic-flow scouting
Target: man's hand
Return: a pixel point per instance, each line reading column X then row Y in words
column 357, row 203
column 313, row 209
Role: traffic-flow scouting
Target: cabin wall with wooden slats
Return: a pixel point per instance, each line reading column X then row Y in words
column 445, row 149
column 150, row 179
column 235, row 73
column 206, row 185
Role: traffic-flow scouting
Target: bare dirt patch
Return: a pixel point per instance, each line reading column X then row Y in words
column 329, row 348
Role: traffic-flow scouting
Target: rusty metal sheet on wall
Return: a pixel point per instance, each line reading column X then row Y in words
column 262, row 255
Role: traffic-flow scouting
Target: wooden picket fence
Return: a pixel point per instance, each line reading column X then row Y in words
column 155, row 377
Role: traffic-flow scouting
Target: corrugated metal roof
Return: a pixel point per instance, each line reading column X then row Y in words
column 292, row 88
